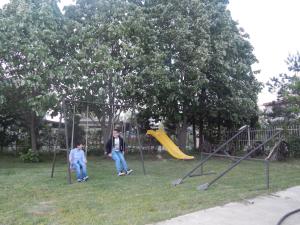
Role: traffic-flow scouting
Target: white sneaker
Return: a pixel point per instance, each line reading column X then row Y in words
column 85, row 178
column 121, row 174
column 79, row 180
column 128, row 172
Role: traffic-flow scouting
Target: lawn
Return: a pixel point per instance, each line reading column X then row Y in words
column 29, row 196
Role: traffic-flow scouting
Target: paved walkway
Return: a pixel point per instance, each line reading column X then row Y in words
column 262, row 210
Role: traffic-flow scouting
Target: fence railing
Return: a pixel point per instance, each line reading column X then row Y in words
column 259, row 135
column 243, row 140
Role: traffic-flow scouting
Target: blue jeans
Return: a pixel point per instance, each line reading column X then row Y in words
column 80, row 168
column 119, row 159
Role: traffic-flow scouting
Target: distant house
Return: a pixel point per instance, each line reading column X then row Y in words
column 269, row 106
column 53, row 121
column 275, row 111
column 90, row 123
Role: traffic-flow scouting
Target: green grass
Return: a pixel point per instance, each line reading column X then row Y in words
column 29, row 196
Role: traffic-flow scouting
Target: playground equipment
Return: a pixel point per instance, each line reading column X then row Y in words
column 239, row 160
column 64, row 113
column 168, row 144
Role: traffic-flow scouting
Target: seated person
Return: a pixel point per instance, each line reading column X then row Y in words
column 78, row 162
column 115, row 148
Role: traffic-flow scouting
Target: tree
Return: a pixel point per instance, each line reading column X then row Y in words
column 230, row 97
column 287, row 87
column 30, row 53
column 200, row 72
column 185, row 61
column 102, row 53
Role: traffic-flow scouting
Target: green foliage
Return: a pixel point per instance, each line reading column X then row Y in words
column 30, row 156
column 287, row 87
column 30, row 60
column 186, row 61
column 294, row 146
column 199, row 71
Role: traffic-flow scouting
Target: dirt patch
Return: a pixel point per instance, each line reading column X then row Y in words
column 43, row 208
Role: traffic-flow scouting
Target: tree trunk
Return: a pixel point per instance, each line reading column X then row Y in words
column 33, row 136
column 111, row 113
column 201, row 139
column 194, row 136
column 219, row 126
column 182, row 133
column 108, row 128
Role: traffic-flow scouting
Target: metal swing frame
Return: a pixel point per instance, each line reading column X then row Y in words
column 63, row 115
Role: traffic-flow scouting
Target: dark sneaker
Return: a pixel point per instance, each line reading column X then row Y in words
column 121, row 174
column 129, row 172
column 85, row 178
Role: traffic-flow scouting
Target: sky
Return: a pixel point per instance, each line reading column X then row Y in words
column 273, row 26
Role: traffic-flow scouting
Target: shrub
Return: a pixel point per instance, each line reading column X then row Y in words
column 30, row 156
column 294, row 146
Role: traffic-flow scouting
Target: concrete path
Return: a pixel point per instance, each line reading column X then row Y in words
column 262, row 210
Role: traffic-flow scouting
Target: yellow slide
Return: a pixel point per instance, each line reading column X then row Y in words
column 168, row 144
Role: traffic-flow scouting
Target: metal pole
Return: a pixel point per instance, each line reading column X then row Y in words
column 249, row 138
column 179, row 181
column 205, row 186
column 73, row 126
column 139, row 141
column 55, row 144
column 87, row 130
column 67, row 143
column 234, row 157
column 201, row 169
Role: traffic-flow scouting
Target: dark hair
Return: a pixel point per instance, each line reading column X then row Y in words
column 117, row 129
column 77, row 143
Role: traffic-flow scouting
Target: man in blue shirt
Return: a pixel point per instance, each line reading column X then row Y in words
column 78, row 162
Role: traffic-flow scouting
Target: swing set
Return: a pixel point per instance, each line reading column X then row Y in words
column 63, row 114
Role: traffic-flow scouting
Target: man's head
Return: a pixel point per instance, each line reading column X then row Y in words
column 79, row 145
column 116, row 133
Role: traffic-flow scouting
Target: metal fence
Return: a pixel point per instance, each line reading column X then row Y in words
column 254, row 136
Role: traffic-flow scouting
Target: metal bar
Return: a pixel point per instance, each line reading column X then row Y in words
column 212, row 154
column 87, row 130
column 249, row 138
column 235, row 157
column 201, row 157
column 228, row 155
column 139, row 141
column 267, row 170
column 273, row 149
column 73, row 126
column 67, row 142
column 202, row 174
column 244, row 157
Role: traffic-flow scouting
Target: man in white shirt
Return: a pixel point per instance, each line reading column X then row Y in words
column 115, row 148
column 78, row 162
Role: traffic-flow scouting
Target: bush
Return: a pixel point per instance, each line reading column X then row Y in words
column 30, row 156
column 294, row 146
